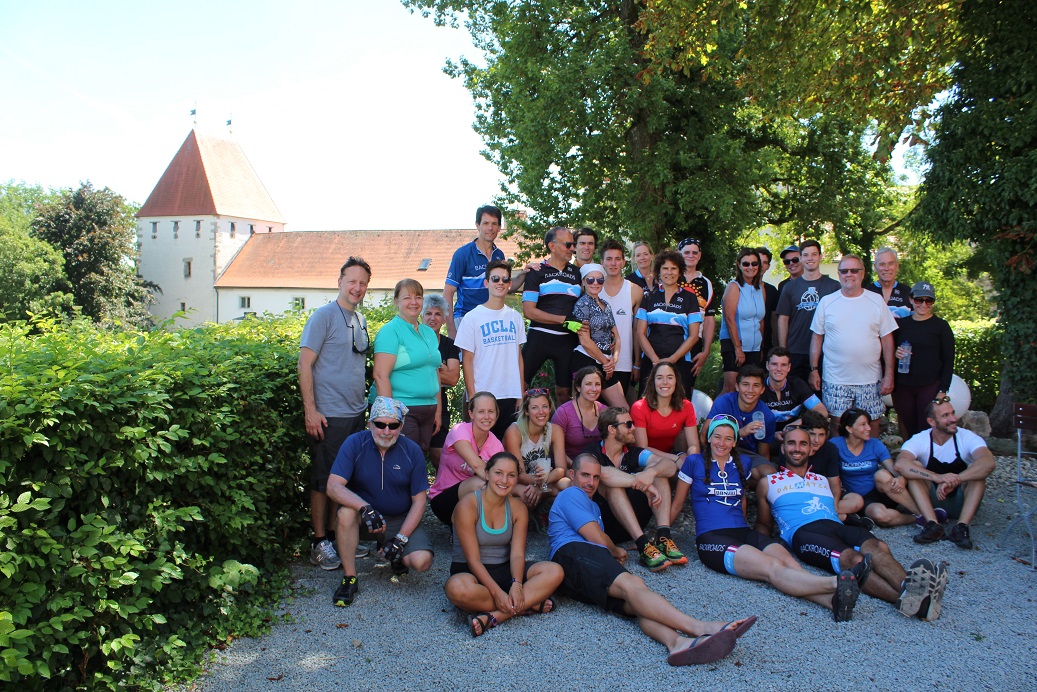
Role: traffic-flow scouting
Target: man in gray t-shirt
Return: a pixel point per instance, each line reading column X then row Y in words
column 796, row 304
column 332, row 358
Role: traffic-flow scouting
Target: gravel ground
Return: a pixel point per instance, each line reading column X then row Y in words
column 405, row 634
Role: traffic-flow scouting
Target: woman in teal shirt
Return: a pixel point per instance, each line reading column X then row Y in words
column 407, row 362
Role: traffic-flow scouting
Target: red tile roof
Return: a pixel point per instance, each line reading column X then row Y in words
column 207, row 177
column 311, row 259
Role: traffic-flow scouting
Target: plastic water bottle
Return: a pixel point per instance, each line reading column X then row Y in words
column 758, row 417
column 904, row 364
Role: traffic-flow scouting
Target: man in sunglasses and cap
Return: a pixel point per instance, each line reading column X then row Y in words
column 332, row 368
column 380, row 483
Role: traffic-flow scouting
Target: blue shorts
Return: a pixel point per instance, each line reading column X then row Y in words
column 840, row 397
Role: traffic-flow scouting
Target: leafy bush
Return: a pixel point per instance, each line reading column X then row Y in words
column 978, row 359
column 151, row 493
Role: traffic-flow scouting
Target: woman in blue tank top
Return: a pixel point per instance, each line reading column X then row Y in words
column 489, row 577
column 741, row 329
column 726, row 544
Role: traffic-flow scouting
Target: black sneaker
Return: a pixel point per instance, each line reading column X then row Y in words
column 847, row 591
column 398, row 568
column 859, row 521
column 917, row 587
column 931, row 606
column 930, row 534
column 346, row 592
column 862, row 570
column 960, row 537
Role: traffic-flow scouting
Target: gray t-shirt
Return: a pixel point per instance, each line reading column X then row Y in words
column 798, row 300
column 338, row 372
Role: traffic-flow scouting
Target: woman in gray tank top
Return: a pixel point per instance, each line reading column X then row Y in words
column 489, row 577
column 533, row 441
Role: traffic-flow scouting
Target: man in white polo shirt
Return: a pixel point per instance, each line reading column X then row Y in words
column 946, row 468
column 855, row 329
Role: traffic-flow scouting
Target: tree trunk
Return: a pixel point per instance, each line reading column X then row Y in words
column 1001, row 414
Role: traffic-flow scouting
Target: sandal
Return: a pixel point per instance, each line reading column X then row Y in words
column 708, row 648
column 488, row 624
column 743, row 627
column 545, row 606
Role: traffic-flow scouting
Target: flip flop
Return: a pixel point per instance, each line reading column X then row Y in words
column 742, row 627
column 705, row 649
column 539, row 608
column 488, row 624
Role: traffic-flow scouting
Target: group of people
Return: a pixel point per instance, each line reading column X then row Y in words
column 595, row 475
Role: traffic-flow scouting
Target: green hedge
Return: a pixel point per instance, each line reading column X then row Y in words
column 978, row 359
column 151, row 496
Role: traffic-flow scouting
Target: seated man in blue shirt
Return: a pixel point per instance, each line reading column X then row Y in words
column 755, row 421
column 594, row 574
column 380, row 482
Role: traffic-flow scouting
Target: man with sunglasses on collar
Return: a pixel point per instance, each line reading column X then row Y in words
column 548, row 298
column 380, row 483
column 332, row 363
column 946, row 470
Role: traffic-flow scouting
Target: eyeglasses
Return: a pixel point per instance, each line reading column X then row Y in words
column 592, row 280
column 851, row 270
column 539, row 391
column 927, row 300
column 790, row 260
column 366, row 338
column 942, row 400
column 750, row 264
column 497, row 279
column 382, row 425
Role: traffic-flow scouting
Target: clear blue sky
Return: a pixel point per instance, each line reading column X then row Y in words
column 342, row 107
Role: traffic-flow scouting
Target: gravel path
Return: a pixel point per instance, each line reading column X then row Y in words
column 406, row 635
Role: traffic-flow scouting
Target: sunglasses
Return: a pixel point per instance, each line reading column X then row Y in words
column 592, row 280
column 628, row 424
column 569, row 246
column 851, row 270
column 942, row 400
column 727, row 417
column 539, row 391
column 382, row 425
column 497, row 279
column 926, row 300
column 750, row 264
column 790, row 260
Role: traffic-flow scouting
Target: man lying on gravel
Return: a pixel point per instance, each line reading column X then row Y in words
column 801, row 503
column 380, row 482
column 594, row 574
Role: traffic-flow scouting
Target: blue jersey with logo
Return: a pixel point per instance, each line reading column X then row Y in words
column 669, row 322
column 554, row 291
column 798, row 500
column 386, row 484
column 899, row 302
column 857, row 471
column 467, row 274
column 728, row 403
column 717, row 505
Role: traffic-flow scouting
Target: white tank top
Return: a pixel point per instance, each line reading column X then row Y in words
column 623, row 310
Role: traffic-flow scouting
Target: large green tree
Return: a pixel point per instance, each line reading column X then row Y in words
column 982, row 186
column 95, row 232
column 32, row 277
column 583, row 136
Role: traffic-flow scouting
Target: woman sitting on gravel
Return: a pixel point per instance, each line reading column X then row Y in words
column 533, row 440
column 489, row 577
column 462, row 467
column 577, row 420
column 867, row 473
column 726, row 544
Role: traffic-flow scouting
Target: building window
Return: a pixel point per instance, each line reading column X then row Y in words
column 269, row 229
column 183, row 307
column 233, row 229
column 245, row 301
column 423, row 267
column 187, row 269
column 176, row 230
column 251, row 229
column 298, row 303
column 154, row 229
column 197, row 229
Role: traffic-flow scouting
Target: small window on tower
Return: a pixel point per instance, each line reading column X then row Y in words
column 197, row 228
column 187, row 269
column 423, row 267
column 233, row 229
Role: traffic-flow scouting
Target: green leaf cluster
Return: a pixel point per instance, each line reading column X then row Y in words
column 151, row 491
column 978, row 359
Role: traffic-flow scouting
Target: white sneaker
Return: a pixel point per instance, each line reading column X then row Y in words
column 324, row 556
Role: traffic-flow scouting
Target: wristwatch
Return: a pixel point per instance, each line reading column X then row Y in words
column 813, row 368
column 402, row 539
